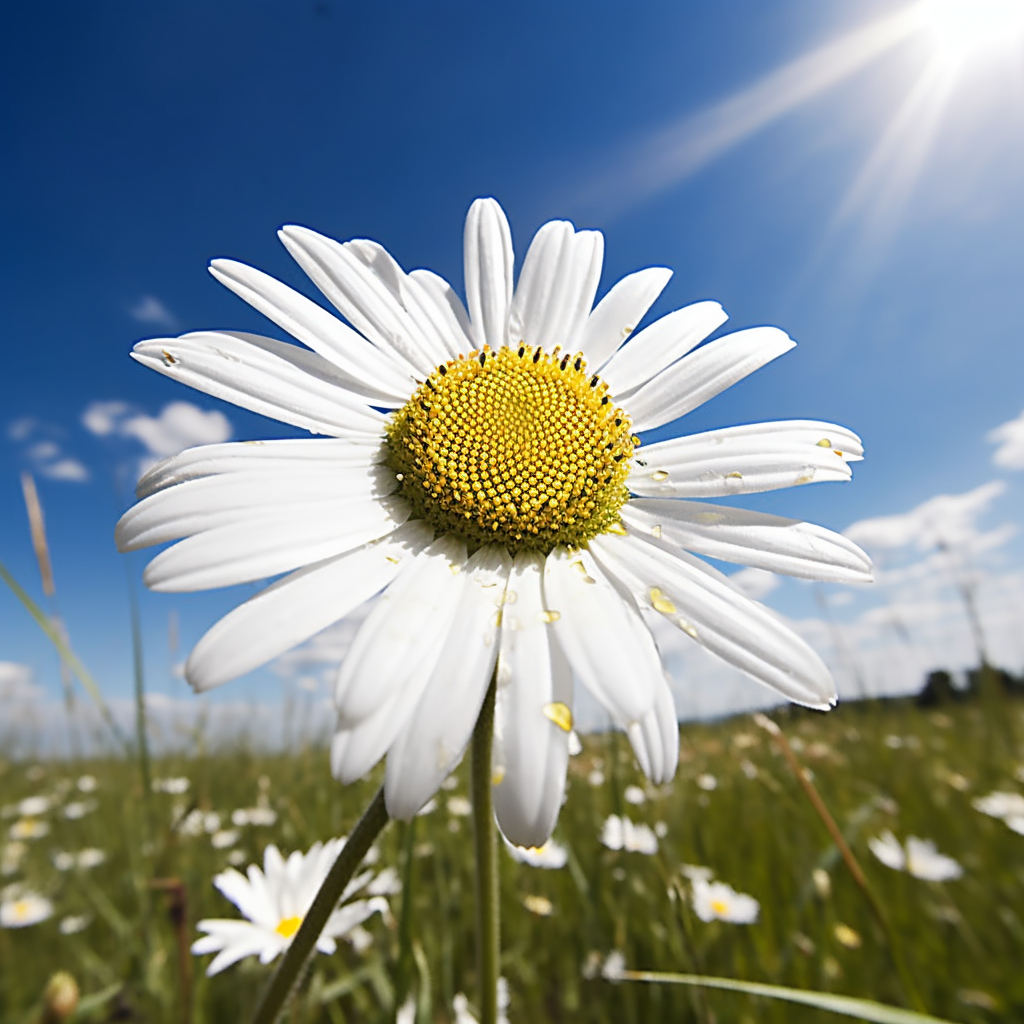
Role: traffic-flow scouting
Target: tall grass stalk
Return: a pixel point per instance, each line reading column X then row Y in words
column 43, row 621
column 37, row 530
column 821, row 809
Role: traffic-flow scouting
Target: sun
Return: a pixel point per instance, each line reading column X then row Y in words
column 965, row 29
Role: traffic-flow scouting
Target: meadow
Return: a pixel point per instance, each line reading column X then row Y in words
column 122, row 922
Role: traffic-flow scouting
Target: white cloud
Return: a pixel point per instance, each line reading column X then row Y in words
column 43, row 450
column 946, row 519
column 755, row 583
column 150, row 310
column 16, row 682
column 1010, row 438
column 102, row 418
column 179, row 425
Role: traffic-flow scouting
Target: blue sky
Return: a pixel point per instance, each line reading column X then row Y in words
column 841, row 170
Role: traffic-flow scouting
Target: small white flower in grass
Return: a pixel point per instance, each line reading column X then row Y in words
column 501, row 502
column 716, row 901
column 25, row 909
column 918, row 857
column 614, row 966
column 459, row 806
column 551, row 855
column 225, row 838
column 11, row 857
column 539, row 905
column 707, row 782
column 262, row 816
column 1000, row 804
column 85, row 859
column 634, row 795
column 274, row 901
column 34, row 806
column 623, row 834
column 72, row 924
column 87, row 784
column 596, row 778
column 78, row 809
column 176, row 785
column 29, row 828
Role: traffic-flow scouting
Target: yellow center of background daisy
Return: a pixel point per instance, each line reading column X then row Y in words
column 288, row 926
column 519, row 447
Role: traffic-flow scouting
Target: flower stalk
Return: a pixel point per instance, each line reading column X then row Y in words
column 292, row 965
column 485, row 841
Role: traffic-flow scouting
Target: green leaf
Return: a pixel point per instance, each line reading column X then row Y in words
column 848, row 1006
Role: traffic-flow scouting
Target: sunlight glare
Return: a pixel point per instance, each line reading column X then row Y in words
column 961, row 29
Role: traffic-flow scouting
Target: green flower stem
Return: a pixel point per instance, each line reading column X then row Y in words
column 485, row 841
column 287, row 975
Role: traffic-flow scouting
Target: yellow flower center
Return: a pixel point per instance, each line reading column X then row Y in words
column 519, row 447
column 288, row 926
column 720, row 907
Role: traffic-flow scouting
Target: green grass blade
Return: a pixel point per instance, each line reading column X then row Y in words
column 848, row 1006
column 44, row 623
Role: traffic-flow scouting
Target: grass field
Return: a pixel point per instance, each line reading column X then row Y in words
column 735, row 807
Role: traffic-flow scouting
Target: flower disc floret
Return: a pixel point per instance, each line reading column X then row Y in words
column 517, row 446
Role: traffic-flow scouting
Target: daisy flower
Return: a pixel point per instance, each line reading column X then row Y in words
column 482, row 469
column 716, row 901
column 551, row 855
column 919, row 857
column 275, row 899
column 24, row 909
column 622, row 834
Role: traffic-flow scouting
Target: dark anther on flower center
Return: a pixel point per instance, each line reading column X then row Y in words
column 519, row 447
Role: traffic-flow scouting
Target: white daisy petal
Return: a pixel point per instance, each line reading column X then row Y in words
column 744, row 460
column 408, row 294
column 265, row 376
column 616, row 316
column 692, row 381
column 319, row 455
column 655, row 737
column 556, row 286
column 344, row 919
column 250, row 900
column 403, row 632
column 358, row 293
column 234, row 939
column 366, row 370
column 226, row 499
column 657, row 347
column 701, row 602
column 764, row 541
column 279, row 541
column 435, row 736
column 295, row 608
column 448, row 313
column 487, row 247
column 534, row 685
column 602, row 634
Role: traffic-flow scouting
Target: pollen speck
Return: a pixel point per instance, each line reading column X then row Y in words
column 560, row 714
column 660, row 602
column 659, row 475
